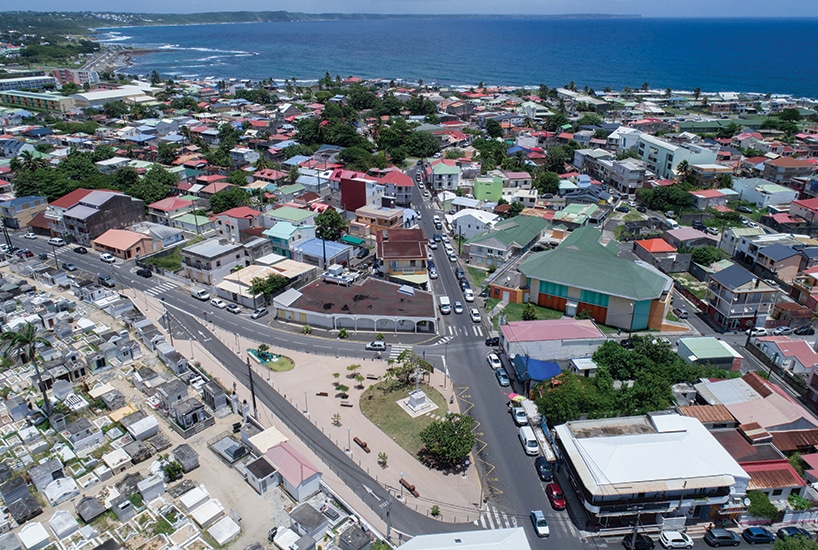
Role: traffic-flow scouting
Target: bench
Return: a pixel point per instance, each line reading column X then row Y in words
column 371, row 377
column 322, row 394
column 409, row 487
column 361, row 444
column 346, row 404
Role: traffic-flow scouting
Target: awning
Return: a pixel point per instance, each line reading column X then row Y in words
column 354, row 241
column 412, row 279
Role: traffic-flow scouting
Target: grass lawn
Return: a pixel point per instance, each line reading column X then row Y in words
column 378, row 403
column 696, row 287
column 514, row 312
column 283, row 364
column 173, row 261
column 477, row 275
column 633, row 216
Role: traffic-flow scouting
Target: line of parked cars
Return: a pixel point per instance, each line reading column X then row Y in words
column 715, row 537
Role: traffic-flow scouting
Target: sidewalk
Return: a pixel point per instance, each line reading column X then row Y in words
column 457, row 496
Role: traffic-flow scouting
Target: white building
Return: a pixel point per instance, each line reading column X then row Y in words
column 662, row 157
column 762, row 192
column 471, row 222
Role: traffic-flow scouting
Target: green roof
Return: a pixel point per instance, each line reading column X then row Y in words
column 290, row 189
column 442, row 168
column 580, row 261
column 291, row 214
column 520, row 230
column 706, row 347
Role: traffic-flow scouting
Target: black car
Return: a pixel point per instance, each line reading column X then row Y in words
column 745, row 209
column 758, row 535
column 459, row 273
column 638, row 542
column 793, row 531
column 42, row 256
column 144, row 272
column 805, row 331
column 484, row 293
column 627, row 343
column 641, row 209
column 80, row 250
column 493, row 341
column 362, row 253
column 543, row 468
column 623, row 208
column 464, row 284
column 721, row 537
column 436, row 237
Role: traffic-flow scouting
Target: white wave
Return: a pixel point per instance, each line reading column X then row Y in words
column 116, row 38
column 170, row 47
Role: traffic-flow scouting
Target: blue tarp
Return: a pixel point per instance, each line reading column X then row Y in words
column 535, row 369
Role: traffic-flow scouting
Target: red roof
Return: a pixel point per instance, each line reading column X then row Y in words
column 655, row 246
column 171, row 203
column 241, row 212
column 708, row 193
column 70, row 199
column 216, row 186
column 789, row 162
column 397, row 178
column 551, row 329
column 210, row 179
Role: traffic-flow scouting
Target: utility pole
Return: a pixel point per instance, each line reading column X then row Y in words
column 252, row 388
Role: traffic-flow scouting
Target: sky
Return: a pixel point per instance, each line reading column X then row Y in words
column 645, row 8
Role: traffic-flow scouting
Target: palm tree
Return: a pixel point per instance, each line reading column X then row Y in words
column 25, row 341
column 683, row 170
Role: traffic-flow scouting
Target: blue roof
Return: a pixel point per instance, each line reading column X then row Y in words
column 313, row 247
column 777, row 252
column 139, row 138
column 536, row 370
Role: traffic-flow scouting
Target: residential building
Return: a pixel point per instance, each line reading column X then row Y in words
column 283, row 235
column 794, row 355
column 632, row 295
column 443, row 174
column 41, row 102
column 162, row 211
column 79, row 77
column 242, row 156
column 398, row 185
column 737, row 299
column 125, row 244
column 470, row 222
column 551, row 340
column 779, row 261
column 662, row 157
column 783, row 169
column 708, row 198
column 358, row 190
column 508, row 238
column 649, row 466
column 732, row 236
column 230, row 223
column 370, row 219
column 806, row 209
column 236, row 286
column 291, row 214
column 33, row 82
column 208, row 262
column 488, row 189
column 622, row 138
column 99, row 211
column 762, row 192
column 321, row 253
column 402, row 253
column 708, row 174
column 17, row 213
column 707, row 350
column 10, row 148
column 626, row 175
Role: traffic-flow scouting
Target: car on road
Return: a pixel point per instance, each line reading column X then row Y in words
column 474, row 314
column 376, row 345
column 680, row 312
column 452, row 257
column 758, row 535
column 555, row 496
column 805, row 331
column 492, row 341
column 43, row 256
column 439, row 226
column 675, row 539
column 543, row 467
column 638, row 542
column 216, row 302
column 721, row 537
column 622, row 208
column 641, row 209
column 107, row 258
column 106, row 280
column 259, row 312
column 757, row 331
column 519, row 416
column 433, row 273
column 56, row 241
column 80, row 250
column 432, row 244
column 493, row 360
column 458, row 307
column 793, row 531
column 29, row 235
column 670, row 214
column 362, row 253
column 436, row 237
column 540, row 523
column 144, row 272
column 782, row 331
column 502, row 377
column 68, row 266
column 745, row 209
column 464, row 284
column 233, row 308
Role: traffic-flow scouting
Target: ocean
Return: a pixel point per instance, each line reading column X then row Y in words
column 739, row 55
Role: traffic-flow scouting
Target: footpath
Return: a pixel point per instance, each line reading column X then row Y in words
column 457, row 496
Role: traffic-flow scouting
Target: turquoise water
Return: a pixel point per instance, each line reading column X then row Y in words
column 748, row 55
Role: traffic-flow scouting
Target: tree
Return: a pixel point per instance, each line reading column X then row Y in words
column 761, row 507
column 114, row 109
column 451, row 439
column 515, row 209
column 790, row 115
column 329, row 224
column 155, row 185
column 696, row 93
column 547, row 182
column 268, row 286
column 237, row 178
column 406, row 365
column 493, row 128
column 228, row 198
column 683, row 170
column 557, row 157
column 172, row 470
column 23, row 343
column 706, row 255
column 166, row 153
column 529, row 312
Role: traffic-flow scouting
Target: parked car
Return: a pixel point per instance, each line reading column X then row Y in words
column 540, row 523
column 638, row 542
column 106, row 280
column 433, row 273
column 362, row 253
column 757, row 331
column 458, row 307
column 641, row 209
column 698, row 224
column 745, row 209
column 452, row 257
column 233, row 308
column 144, row 272
column 493, row 360
column 782, row 331
column 474, row 314
column 259, row 312
column 445, row 238
column 805, row 331
column 555, row 496
column 623, row 208
column 670, row 214
column 484, row 293
column 80, row 250
column 758, row 535
column 468, row 294
column 68, row 266
column 721, row 537
column 502, row 377
column 793, row 531
column 492, row 341
column 107, row 258
column 216, row 302
column 680, row 312
column 519, row 416
column 543, row 467
column 376, row 345
column 29, row 235
column 24, row 253
column 675, row 539
column 464, row 284
column 711, row 231
column 432, row 244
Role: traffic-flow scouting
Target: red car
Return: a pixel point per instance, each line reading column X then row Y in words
column 556, row 496
column 25, row 253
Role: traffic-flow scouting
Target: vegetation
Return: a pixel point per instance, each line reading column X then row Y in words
column 172, row 470
column 23, row 343
column 795, row 543
column 268, row 286
column 226, row 199
column 761, row 507
column 449, row 440
column 329, row 225
column 406, row 366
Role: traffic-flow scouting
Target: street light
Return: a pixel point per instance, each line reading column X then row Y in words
column 306, row 407
column 349, row 439
column 401, row 485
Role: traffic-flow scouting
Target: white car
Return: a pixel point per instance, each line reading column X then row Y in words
column 215, row 302
column 458, row 308
column 432, row 244
column 29, row 235
column 107, row 258
column 429, row 255
column 540, row 523
column 493, row 360
column 452, row 257
column 474, row 314
column 782, row 331
column 675, row 539
column 519, row 416
column 445, row 238
column 468, row 295
column 758, row 331
column 433, row 273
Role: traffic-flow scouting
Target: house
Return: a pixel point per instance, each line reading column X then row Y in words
column 99, row 211
column 163, row 210
column 242, row 156
column 358, row 189
column 688, row 237
column 208, row 262
column 732, row 236
column 488, row 189
column 662, row 157
column 649, row 465
column 793, row 355
column 631, row 295
column 708, row 198
column 508, row 238
column 707, row 350
column 18, row 212
column 319, row 252
column 307, row 521
column 782, row 170
column 762, row 192
column 443, row 174
column 370, row 219
column 231, row 222
column 780, row 261
column 125, row 244
column 402, row 253
column 551, row 340
column 399, row 186
column 737, row 299
column 295, row 216
column 283, row 235
column 300, row 478
column 469, row 222
column 82, row 435
column 261, row 475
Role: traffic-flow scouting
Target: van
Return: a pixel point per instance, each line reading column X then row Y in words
column 436, row 219
column 200, row 294
column 528, row 441
column 671, row 224
column 56, row 241
column 445, row 305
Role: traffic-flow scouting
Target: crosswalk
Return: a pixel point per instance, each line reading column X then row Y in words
column 444, row 340
column 397, row 349
column 161, row 288
column 476, row 330
column 494, row 518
